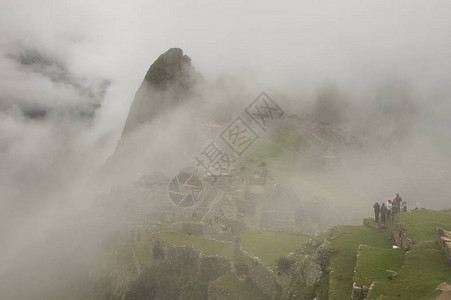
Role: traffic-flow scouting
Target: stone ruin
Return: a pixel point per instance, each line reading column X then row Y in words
column 444, row 240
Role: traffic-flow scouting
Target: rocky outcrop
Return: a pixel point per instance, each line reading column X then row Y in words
column 310, row 271
column 444, row 240
column 359, row 293
column 247, row 265
column 401, row 237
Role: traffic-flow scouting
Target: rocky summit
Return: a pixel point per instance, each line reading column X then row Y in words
column 166, row 83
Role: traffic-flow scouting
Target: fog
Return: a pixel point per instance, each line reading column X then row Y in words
column 70, row 69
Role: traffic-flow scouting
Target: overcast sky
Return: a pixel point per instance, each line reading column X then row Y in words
column 286, row 44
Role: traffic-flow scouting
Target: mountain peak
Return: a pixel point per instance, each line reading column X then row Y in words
column 170, row 67
column 169, row 80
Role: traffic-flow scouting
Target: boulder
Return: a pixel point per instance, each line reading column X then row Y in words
column 310, row 271
column 391, row 274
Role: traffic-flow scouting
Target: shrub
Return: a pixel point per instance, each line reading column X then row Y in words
column 284, row 263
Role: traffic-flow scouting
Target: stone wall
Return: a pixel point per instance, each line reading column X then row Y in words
column 212, row 233
column 401, row 237
column 444, row 240
column 206, row 267
column 359, row 293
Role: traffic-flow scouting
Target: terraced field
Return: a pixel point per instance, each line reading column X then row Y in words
column 420, row 270
column 270, row 245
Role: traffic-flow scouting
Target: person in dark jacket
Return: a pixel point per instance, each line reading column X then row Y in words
column 383, row 212
column 376, row 207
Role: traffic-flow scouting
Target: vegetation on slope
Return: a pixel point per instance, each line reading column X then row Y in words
column 420, row 224
column 343, row 259
column 372, row 265
column 269, row 246
column 425, row 265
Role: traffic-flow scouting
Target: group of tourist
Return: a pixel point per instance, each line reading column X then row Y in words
column 390, row 210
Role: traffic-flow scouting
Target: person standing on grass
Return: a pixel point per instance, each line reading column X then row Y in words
column 398, row 199
column 395, row 206
column 376, row 207
column 389, row 208
column 404, row 206
column 383, row 212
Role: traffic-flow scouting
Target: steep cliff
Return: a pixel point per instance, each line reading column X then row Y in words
column 167, row 82
column 169, row 85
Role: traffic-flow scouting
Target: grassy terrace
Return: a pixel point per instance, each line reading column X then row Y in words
column 419, row 271
column 240, row 290
column 343, row 260
column 270, row 245
column 274, row 154
column 425, row 265
column 420, row 224
column 208, row 247
column 372, row 264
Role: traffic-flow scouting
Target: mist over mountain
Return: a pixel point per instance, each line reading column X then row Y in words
column 100, row 108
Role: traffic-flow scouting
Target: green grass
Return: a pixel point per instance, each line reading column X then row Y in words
column 420, row 224
column 343, row 260
column 270, row 245
column 289, row 136
column 372, row 264
column 425, row 267
column 240, row 290
column 274, row 154
column 208, row 247
column 143, row 252
column 323, row 287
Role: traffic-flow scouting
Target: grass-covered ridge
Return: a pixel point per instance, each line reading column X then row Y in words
column 207, row 246
column 271, row 245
